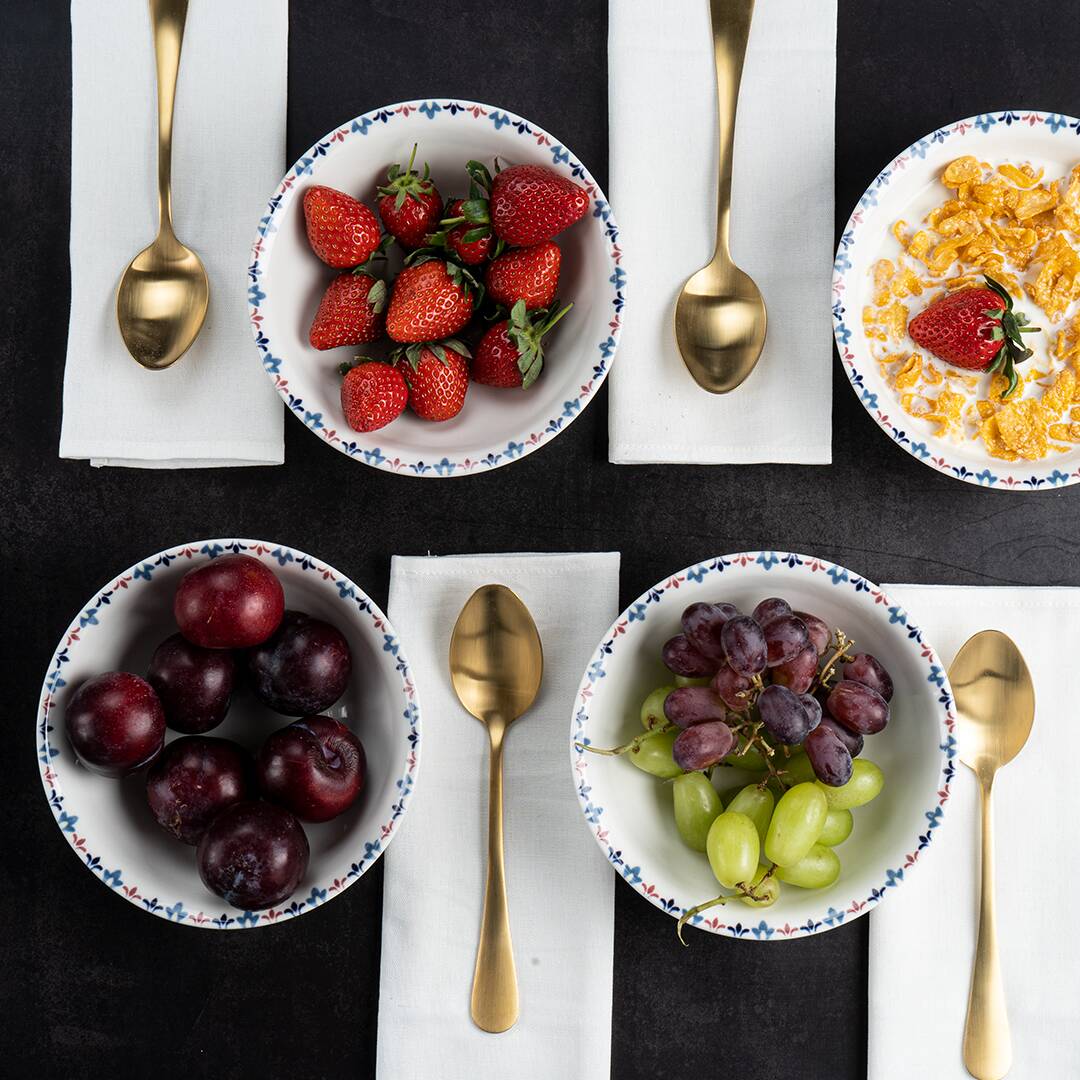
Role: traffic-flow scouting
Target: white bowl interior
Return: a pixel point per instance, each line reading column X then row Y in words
column 112, row 816
column 912, row 190
column 294, row 279
column 637, row 808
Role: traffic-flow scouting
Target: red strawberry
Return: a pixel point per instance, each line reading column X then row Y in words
column 351, row 311
column 431, row 300
column 438, row 378
column 411, row 205
column 342, row 231
column 511, row 353
column 470, row 244
column 527, row 205
column 976, row 329
column 372, row 395
column 530, row 274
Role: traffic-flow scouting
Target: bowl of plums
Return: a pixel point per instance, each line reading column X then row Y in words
column 762, row 745
column 228, row 734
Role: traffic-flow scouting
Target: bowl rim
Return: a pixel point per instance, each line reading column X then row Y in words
column 995, row 475
column 366, row 849
column 562, row 160
column 637, row 611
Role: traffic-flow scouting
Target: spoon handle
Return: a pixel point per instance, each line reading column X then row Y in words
column 167, row 18
column 731, row 31
column 987, row 1041
column 494, row 990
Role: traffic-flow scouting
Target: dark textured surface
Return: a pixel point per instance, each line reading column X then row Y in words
column 89, row 986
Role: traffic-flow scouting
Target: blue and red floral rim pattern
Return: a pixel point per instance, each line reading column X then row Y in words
column 973, row 126
column 359, row 127
column 639, row 611
column 368, row 849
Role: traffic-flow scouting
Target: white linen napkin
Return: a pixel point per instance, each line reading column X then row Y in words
column 561, row 890
column 215, row 406
column 662, row 139
column 922, row 941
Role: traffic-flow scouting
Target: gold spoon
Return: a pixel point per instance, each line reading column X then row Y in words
column 496, row 664
column 720, row 317
column 995, row 705
column 161, row 302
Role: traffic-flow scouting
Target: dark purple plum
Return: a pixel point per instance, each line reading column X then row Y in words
column 682, row 658
column 818, row 629
column 303, row 669
column 744, row 645
column 770, row 608
column 857, row 707
column 829, row 757
column 690, row 705
column 253, row 855
column 729, row 684
column 702, row 624
column 850, row 739
column 115, row 723
column 869, row 671
column 785, row 637
column 798, row 673
column 232, row 602
column 785, row 714
column 313, row 767
column 702, row 746
column 195, row 685
column 193, row 780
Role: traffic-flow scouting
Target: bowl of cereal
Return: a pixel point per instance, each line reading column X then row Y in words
column 993, row 199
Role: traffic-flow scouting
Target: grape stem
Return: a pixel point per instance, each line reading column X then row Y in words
column 742, row 889
column 631, row 747
column 840, row 646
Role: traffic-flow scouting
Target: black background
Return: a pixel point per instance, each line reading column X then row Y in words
column 91, row 987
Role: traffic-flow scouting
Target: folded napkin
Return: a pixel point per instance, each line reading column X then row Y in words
column 922, row 941
column 215, row 406
column 561, row 890
column 663, row 137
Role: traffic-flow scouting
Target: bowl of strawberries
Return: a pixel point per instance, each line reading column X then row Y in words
column 435, row 288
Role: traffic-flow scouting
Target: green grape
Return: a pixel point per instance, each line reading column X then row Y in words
column 749, row 759
column 796, row 824
column 757, row 806
column 838, row 825
column 652, row 708
column 817, row 869
column 653, row 754
column 686, row 680
column 798, row 769
column 865, row 784
column 697, row 806
column 733, row 847
column 769, row 890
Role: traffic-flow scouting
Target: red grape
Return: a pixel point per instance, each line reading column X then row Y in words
column 813, row 709
column 850, row 739
column 858, row 707
column 785, row 638
column 869, row 671
column 797, row 674
column 770, row 608
column 819, row 632
column 702, row 746
column 729, row 684
column 828, row 756
column 682, row 658
column 744, row 645
column 784, row 714
column 702, row 624
column 690, row 705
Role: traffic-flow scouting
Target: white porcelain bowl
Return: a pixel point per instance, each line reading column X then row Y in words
column 286, row 281
column 630, row 812
column 107, row 822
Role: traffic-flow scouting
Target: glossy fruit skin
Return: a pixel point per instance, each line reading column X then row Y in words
column 702, row 746
column 427, row 304
column 785, row 637
column 437, row 389
column 373, row 394
column 869, row 671
column 530, row 274
column 417, row 216
column 956, row 328
column 729, row 684
column 496, row 360
column 818, row 629
column 303, row 668
column 193, row 780
column 703, row 623
column 342, row 231
column 115, row 723
column 654, row 755
column 253, row 855
column 232, row 602
column 785, row 714
column 857, row 707
column 696, row 805
column 688, row 705
column 352, row 312
column 744, row 645
column 772, row 607
column 314, row 767
column 852, row 740
column 798, row 673
column 682, row 658
column 194, row 685
column 531, row 204
column 470, row 252
column 830, row 758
